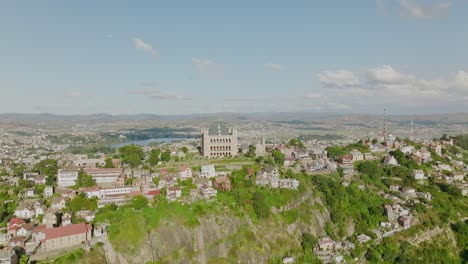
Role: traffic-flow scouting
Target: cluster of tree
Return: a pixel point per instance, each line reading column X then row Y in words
column 308, row 243
column 132, row 155
column 278, row 157
column 462, row 141
column 461, row 232
column 81, row 202
column 48, row 167
column 262, row 210
column 335, row 152
column 84, row 180
column 364, row 208
column 251, row 152
column 108, row 163
column 296, row 143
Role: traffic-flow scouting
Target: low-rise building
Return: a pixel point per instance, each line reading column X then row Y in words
column 207, row 171
column 66, row 178
column 106, row 175
column 222, row 183
column 66, row 236
column 172, row 193
column 185, row 173
column 207, row 192
column 8, row 256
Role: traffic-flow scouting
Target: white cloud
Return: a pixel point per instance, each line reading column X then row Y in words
column 147, row 48
column 157, row 94
column 387, row 74
column 387, row 86
column 274, row 66
column 419, row 10
column 339, row 78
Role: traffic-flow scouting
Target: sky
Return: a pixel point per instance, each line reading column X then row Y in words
column 186, row 57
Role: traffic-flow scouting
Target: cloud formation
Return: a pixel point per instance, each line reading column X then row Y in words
column 424, row 11
column 274, row 66
column 147, row 48
column 339, row 78
column 385, row 85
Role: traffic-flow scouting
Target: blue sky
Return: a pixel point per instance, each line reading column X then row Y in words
column 183, row 57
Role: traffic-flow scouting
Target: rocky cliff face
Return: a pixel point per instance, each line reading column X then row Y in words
column 224, row 237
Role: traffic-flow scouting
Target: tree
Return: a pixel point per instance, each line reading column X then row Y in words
column 370, row 168
column 278, row 157
column 400, row 157
column 81, row 202
column 166, row 156
column 133, row 160
column 308, row 241
column 251, row 152
column 153, row 158
column 131, row 153
column 259, row 204
column 184, row 150
column 335, row 152
column 108, row 163
column 296, row 143
column 139, row 202
column 47, row 167
column 84, row 180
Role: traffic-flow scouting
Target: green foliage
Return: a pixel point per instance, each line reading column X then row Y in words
column 335, row 152
column 153, row 158
column 345, row 204
column 108, row 163
column 290, row 216
column 184, row 149
column 251, row 152
column 18, row 169
column 462, row 141
column 278, row 157
column 132, row 155
column 370, row 168
column 47, row 167
column 296, row 143
column 84, row 180
column 81, row 202
column 308, row 241
column 461, row 232
column 166, row 156
column 260, row 206
column 23, row 184
column 139, row 202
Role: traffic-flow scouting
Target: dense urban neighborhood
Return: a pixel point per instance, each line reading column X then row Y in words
column 342, row 203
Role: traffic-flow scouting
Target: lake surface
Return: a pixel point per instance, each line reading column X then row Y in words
column 147, row 141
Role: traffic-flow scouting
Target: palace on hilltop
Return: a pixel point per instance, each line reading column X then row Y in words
column 219, row 141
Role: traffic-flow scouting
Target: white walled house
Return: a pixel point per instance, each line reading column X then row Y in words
column 207, row 171
column 66, row 178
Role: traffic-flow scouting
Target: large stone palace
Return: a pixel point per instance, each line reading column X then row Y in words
column 219, row 140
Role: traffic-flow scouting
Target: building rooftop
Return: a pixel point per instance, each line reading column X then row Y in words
column 218, row 129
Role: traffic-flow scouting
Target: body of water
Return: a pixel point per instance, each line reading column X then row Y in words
column 147, row 141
